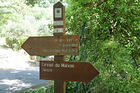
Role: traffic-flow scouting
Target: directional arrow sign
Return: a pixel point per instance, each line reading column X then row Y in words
column 67, row 71
column 52, row 45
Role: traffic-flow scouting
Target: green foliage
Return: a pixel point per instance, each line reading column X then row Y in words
column 49, row 89
column 41, row 90
column 41, row 3
column 70, row 87
column 15, row 35
column 32, row 2
column 19, row 21
column 40, row 13
column 53, row 1
column 14, row 43
column 110, row 42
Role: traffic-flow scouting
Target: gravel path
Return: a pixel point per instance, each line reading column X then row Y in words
column 15, row 80
column 15, row 72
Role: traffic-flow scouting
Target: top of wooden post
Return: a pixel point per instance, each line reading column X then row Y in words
column 59, row 18
column 59, row 11
column 58, row 4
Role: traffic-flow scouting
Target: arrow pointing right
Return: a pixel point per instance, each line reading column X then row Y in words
column 67, row 71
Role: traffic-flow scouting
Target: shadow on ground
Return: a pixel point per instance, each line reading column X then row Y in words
column 15, row 80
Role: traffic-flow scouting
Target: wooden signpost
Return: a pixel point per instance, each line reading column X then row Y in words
column 59, row 45
column 59, row 30
column 52, row 45
column 67, row 71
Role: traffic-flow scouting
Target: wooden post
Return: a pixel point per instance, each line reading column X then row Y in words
column 59, row 85
column 59, row 30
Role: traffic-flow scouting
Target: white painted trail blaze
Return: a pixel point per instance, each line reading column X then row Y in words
column 58, row 30
column 58, row 23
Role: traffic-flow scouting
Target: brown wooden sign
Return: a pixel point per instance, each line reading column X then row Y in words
column 67, row 71
column 52, row 45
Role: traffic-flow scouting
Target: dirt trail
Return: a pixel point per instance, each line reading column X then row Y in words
column 15, row 72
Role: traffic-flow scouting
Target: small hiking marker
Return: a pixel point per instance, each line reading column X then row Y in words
column 59, row 18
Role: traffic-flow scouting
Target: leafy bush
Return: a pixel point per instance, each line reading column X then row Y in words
column 14, row 35
column 14, row 43
column 41, row 90
column 48, row 89
column 19, row 21
column 109, row 42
